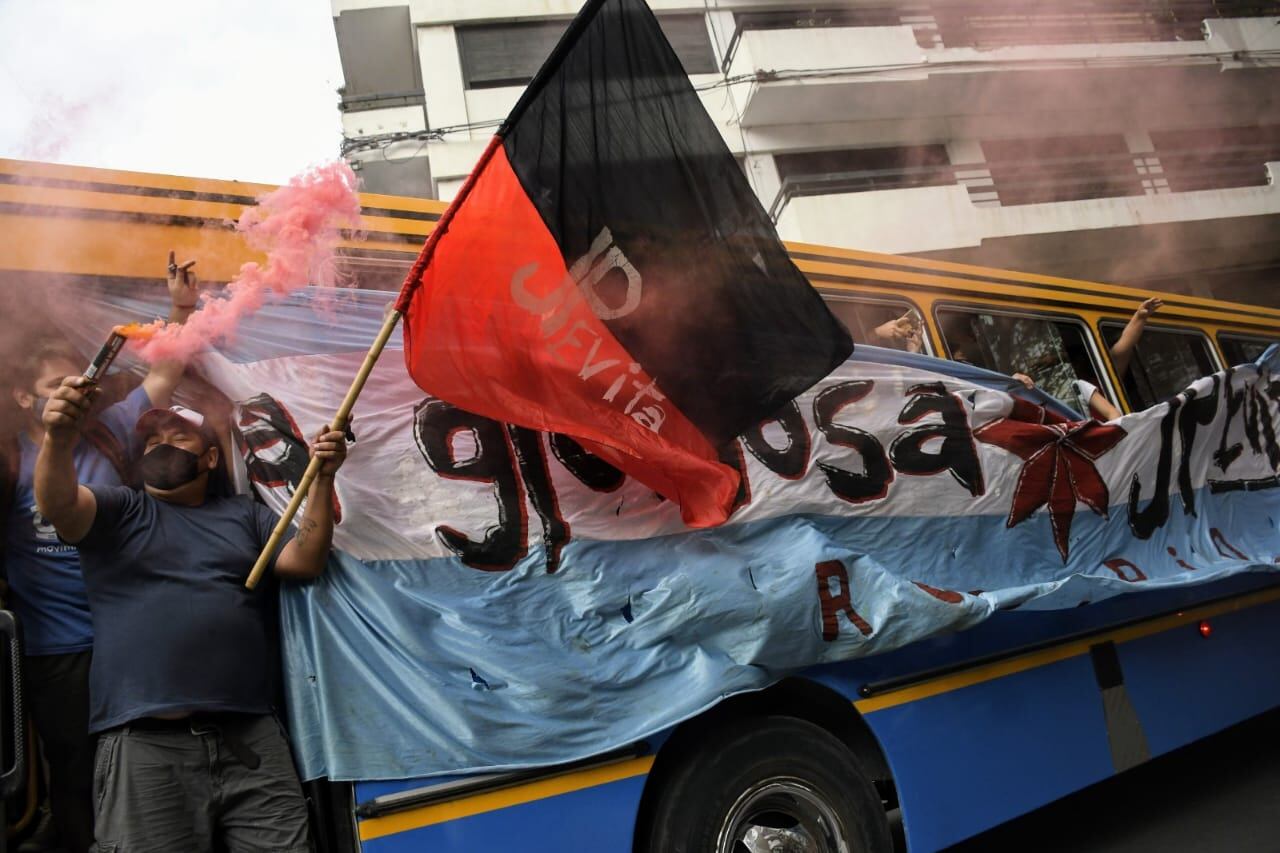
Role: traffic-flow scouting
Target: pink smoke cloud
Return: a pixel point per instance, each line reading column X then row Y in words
column 298, row 226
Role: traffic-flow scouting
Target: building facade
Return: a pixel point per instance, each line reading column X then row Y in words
column 1132, row 141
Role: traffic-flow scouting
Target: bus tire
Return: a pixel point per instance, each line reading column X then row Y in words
column 771, row 782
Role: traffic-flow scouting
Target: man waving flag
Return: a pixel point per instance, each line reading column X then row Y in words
column 607, row 273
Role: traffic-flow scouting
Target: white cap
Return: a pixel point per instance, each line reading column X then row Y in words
column 152, row 418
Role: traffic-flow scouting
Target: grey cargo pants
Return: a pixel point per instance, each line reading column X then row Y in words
column 190, row 786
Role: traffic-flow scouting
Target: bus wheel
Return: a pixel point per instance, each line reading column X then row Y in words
column 768, row 784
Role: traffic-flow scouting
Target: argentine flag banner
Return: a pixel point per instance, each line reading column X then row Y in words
column 500, row 598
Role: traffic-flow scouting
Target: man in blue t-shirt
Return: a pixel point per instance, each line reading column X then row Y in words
column 45, row 587
column 190, row 754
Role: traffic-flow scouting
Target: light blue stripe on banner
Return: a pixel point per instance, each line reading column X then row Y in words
column 413, row 668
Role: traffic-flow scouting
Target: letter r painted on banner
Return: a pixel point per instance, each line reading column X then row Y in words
column 833, row 603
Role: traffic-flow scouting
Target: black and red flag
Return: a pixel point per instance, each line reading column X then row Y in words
column 607, row 273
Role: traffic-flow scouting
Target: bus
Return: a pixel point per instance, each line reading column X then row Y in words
column 915, row 749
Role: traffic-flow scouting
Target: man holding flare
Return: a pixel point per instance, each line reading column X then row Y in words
column 184, row 676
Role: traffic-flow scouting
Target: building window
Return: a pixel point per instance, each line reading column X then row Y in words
column 689, row 36
column 918, row 16
column 1053, row 351
column 510, row 54
column 1003, row 23
column 1164, row 362
column 1243, row 349
column 379, row 60
column 1000, row 23
column 1217, row 158
column 881, row 322
column 1066, row 168
column 406, row 176
column 856, row 170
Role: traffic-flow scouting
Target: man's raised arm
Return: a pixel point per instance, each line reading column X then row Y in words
column 305, row 556
column 164, row 375
column 63, row 502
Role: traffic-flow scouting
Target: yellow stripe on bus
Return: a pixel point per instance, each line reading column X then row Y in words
column 76, row 200
column 830, row 275
column 847, row 257
column 1022, row 663
column 54, row 171
column 504, row 798
column 127, row 180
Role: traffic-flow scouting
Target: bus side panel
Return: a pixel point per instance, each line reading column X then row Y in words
column 968, row 759
column 599, row 819
column 1185, row 686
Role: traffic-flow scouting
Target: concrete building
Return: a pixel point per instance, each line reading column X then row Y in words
column 1133, row 141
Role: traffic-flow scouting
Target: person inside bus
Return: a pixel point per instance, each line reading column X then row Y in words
column 45, row 586
column 190, row 754
column 1088, row 398
column 902, row 333
column 1124, row 348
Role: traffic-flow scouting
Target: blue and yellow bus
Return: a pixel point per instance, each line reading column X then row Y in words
column 917, row 748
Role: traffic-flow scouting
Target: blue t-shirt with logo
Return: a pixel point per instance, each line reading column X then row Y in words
column 176, row 630
column 46, row 588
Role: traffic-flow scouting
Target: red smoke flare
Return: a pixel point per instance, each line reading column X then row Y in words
column 299, row 227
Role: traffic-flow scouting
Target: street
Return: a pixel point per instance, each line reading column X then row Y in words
column 1222, row 794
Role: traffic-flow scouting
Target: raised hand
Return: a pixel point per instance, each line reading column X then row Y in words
column 64, row 414
column 1148, row 307
column 183, row 286
column 330, row 446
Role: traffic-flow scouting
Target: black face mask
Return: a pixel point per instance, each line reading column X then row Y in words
column 166, row 467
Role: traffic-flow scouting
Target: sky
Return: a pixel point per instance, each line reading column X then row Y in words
column 234, row 89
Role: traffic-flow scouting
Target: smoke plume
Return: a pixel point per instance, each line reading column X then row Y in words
column 298, row 226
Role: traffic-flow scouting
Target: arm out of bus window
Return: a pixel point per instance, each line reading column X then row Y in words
column 902, row 333
column 1102, row 408
column 1122, row 352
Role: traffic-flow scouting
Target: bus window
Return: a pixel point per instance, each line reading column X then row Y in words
column 1164, row 362
column 893, row 323
column 1242, row 349
column 1053, row 351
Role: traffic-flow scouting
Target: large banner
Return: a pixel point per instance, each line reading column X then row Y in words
column 501, row 598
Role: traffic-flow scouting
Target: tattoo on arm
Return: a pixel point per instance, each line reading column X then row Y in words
column 305, row 528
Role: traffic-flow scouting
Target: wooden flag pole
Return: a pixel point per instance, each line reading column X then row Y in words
column 371, row 358
column 313, row 468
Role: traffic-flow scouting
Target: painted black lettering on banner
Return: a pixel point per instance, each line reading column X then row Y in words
column 1224, row 455
column 435, row 425
column 1262, row 412
column 527, row 445
column 873, row 483
column 589, row 469
column 1198, row 412
column 273, row 448
column 957, row 452
column 1147, row 521
column 1255, row 417
column 789, row 462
